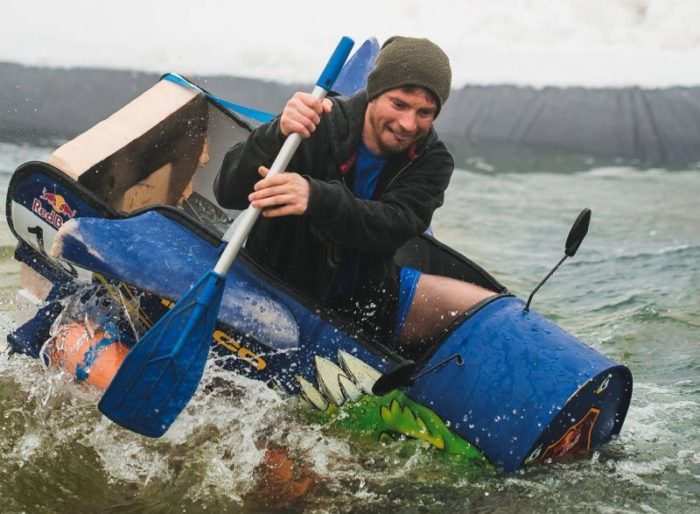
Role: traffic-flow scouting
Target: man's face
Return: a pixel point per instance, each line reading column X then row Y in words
column 398, row 118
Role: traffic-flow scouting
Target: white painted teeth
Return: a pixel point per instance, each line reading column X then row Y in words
column 359, row 371
column 327, row 375
column 350, row 390
column 311, row 394
column 337, row 385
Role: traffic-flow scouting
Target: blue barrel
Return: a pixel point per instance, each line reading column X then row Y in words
column 523, row 390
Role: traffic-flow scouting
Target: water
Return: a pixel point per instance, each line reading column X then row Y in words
column 631, row 292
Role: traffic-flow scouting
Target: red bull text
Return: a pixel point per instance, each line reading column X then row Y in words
column 59, row 208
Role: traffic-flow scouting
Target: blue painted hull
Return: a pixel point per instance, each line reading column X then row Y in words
column 521, row 373
column 521, row 384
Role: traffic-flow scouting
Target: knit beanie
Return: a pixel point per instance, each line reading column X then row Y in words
column 407, row 61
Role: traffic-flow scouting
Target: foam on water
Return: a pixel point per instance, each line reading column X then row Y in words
column 214, row 449
column 218, row 441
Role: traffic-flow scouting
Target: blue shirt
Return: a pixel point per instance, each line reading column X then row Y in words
column 368, row 167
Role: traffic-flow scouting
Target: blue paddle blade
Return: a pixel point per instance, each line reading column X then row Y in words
column 161, row 372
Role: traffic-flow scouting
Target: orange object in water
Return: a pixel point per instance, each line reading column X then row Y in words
column 92, row 357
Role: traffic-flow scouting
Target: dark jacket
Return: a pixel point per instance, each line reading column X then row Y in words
column 305, row 250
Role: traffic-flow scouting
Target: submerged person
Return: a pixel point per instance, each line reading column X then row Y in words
column 366, row 179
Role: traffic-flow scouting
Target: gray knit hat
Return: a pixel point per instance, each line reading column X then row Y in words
column 407, row 61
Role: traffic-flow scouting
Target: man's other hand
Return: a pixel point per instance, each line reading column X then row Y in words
column 280, row 195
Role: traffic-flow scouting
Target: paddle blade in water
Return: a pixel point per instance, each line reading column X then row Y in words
column 161, row 372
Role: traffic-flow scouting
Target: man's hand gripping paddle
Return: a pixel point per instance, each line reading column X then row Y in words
column 162, row 371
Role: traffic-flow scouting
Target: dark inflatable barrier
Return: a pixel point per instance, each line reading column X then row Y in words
column 511, row 128
column 554, row 129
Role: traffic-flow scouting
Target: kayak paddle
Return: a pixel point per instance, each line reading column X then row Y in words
column 162, row 371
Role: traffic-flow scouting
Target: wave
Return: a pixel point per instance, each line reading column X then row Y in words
column 626, row 172
column 677, row 250
column 681, row 251
column 653, row 314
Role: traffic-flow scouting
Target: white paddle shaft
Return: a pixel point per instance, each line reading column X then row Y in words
column 248, row 217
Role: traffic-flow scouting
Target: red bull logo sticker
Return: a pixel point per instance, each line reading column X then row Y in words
column 60, row 208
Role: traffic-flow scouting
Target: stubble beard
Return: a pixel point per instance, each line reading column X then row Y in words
column 393, row 147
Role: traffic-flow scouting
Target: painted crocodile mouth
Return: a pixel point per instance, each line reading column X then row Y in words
column 347, row 389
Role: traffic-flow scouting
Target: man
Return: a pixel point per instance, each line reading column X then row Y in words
column 367, row 178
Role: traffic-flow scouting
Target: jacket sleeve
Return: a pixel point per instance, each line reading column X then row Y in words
column 404, row 211
column 239, row 170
